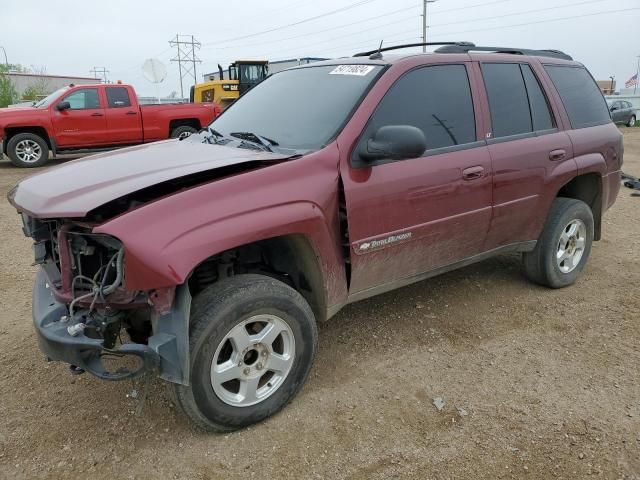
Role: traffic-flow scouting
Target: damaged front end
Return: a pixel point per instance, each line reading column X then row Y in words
column 84, row 314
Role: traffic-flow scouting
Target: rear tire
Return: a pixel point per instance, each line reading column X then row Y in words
column 176, row 132
column 564, row 245
column 242, row 372
column 632, row 121
column 28, row 150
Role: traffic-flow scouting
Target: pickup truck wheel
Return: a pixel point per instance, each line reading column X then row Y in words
column 27, row 150
column 176, row 132
column 252, row 344
column 564, row 245
column 632, row 121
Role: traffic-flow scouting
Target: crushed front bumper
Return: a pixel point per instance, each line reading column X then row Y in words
column 57, row 344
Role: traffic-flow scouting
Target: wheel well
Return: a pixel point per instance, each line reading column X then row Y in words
column 291, row 259
column 587, row 188
column 13, row 131
column 184, row 122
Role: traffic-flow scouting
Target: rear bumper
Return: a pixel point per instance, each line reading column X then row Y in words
column 58, row 345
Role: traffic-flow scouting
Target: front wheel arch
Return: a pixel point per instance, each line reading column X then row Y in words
column 291, row 258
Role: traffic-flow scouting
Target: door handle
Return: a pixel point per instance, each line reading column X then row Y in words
column 97, row 114
column 555, row 155
column 132, row 113
column 473, row 173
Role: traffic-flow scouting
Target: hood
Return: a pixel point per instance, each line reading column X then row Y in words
column 20, row 112
column 13, row 108
column 77, row 187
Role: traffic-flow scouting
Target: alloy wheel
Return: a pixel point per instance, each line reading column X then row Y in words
column 28, row 151
column 253, row 360
column 571, row 245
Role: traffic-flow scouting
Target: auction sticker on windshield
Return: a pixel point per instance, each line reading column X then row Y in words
column 359, row 70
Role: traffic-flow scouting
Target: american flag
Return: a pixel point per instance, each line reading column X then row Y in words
column 632, row 82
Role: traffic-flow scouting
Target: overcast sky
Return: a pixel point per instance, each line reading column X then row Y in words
column 71, row 37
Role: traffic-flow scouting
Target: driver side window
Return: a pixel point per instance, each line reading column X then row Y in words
column 435, row 99
column 83, row 99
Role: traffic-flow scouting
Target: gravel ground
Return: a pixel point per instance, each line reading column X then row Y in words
column 536, row 383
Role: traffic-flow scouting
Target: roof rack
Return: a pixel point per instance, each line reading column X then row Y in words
column 466, row 47
column 408, row 45
column 459, row 48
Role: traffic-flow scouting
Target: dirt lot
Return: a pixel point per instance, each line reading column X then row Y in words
column 537, row 383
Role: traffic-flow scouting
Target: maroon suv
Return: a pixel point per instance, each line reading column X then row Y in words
column 328, row 183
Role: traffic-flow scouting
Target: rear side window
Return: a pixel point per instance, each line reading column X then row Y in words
column 436, row 99
column 508, row 100
column 517, row 103
column 118, row 97
column 580, row 95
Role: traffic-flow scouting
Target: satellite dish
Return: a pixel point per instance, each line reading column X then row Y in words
column 154, row 70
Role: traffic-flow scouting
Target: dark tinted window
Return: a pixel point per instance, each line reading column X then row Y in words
column 580, row 95
column 83, row 99
column 540, row 113
column 435, row 99
column 118, row 97
column 508, row 99
column 302, row 108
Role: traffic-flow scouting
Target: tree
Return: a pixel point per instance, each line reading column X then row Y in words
column 39, row 88
column 8, row 94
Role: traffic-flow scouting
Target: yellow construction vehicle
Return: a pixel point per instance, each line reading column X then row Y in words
column 242, row 75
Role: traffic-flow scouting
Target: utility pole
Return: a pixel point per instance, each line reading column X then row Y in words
column 100, row 73
column 186, row 57
column 424, row 23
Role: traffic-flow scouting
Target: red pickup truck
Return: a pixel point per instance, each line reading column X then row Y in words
column 92, row 117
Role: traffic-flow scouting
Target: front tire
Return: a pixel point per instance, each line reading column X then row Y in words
column 632, row 121
column 564, row 245
column 252, row 344
column 28, row 150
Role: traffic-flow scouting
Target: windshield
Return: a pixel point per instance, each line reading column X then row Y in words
column 299, row 109
column 48, row 100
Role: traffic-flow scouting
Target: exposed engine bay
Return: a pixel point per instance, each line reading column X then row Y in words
column 86, row 270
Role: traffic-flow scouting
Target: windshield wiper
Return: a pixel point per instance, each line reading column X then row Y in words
column 215, row 135
column 254, row 138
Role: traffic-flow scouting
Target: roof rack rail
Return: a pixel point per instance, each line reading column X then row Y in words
column 409, row 45
column 458, row 48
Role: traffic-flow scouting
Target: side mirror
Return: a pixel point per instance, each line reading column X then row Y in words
column 63, row 106
column 613, row 108
column 394, row 142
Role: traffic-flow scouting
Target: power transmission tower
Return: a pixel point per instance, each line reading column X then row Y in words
column 101, row 73
column 186, row 58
